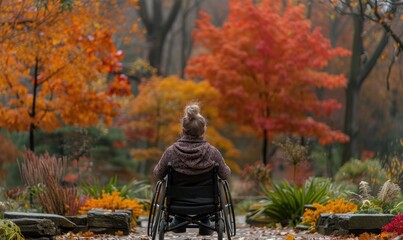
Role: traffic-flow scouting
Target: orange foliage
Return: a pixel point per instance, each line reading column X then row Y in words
column 153, row 117
column 267, row 66
column 54, row 66
column 113, row 202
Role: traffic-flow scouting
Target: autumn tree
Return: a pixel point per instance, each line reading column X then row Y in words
column 364, row 54
column 266, row 64
column 152, row 119
column 54, row 66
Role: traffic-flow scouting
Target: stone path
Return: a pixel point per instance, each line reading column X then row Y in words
column 244, row 233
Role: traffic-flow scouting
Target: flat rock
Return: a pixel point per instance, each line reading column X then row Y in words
column 35, row 227
column 118, row 219
column 60, row 221
column 345, row 224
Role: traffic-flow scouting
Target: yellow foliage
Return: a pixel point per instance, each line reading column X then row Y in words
column 154, row 115
column 333, row 206
column 113, row 202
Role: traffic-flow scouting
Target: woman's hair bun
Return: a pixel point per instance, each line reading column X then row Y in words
column 192, row 110
column 193, row 123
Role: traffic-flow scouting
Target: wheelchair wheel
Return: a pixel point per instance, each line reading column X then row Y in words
column 227, row 209
column 230, row 207
column 220, row 229
column 153, row 208
column 157, row 208
column 159, row 223
column 161, row 230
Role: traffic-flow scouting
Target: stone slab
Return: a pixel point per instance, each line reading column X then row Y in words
column 345, row 224
column 109, row 219
column 60, row 221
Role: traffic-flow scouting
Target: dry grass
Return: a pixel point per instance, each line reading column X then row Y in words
column 48, row 172
column 59, row 200
column 36, row 170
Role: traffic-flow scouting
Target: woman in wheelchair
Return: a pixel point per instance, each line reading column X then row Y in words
column 192, row 156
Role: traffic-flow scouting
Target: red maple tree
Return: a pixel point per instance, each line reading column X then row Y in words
column 267, row 64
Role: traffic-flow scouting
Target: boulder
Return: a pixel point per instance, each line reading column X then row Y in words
column 346, row 224
column 107, row 221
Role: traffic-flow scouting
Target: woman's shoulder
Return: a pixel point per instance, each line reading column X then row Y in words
column 170, row 148
column 213, row 149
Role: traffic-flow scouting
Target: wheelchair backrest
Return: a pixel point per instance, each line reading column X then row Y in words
column 192, row 190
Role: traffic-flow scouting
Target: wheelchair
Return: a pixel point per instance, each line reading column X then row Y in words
column 191, row 198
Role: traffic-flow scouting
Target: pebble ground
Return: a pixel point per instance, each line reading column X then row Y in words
column 244, row 232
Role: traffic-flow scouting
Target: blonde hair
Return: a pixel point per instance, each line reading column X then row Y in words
column 193, row 123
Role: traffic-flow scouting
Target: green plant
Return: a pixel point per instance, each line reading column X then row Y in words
column 10, row 231
column 385, row 200
column 285, row 202
column 135, row 189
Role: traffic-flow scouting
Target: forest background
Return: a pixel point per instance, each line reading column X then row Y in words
column 103, row 84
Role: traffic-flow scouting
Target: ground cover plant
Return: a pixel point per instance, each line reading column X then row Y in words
column 8, row 230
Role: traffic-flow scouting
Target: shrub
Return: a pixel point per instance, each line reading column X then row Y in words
column 355, row 171
column 113, row 202
column 332, row 206
column 396, row 225
column 285, row 202
column 258, row 172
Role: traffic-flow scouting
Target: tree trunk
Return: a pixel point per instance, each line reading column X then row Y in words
column 33, row 107
column 265, row 146
column 350, row 119
column 353, row 89
column 360, row 68
column 157, row 28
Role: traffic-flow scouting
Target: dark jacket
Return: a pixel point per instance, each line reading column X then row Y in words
column 191, row 156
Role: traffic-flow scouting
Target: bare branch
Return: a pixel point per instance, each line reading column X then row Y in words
column 373, row 59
